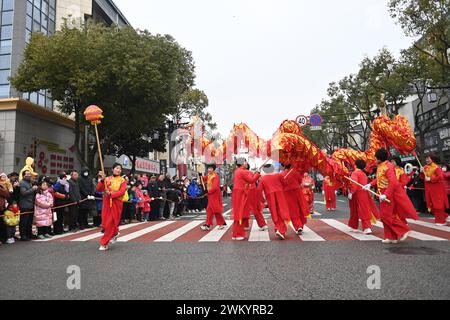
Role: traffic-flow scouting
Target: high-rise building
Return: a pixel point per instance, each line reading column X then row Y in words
column 29, row 126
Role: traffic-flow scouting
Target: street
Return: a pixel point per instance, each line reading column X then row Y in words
column 176, row 260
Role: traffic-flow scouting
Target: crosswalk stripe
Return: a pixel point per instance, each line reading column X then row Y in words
column 179, row 232
column 429, row 225
column 345, row 229
column 310, row 236
column 216, row 234
column 227, row 213
column 417, row 235
column 142, row 232
column 257, row 235
column 99, row 234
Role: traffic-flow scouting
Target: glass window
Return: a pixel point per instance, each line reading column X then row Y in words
column 7, row 18
column 4, row 75
column 44, row 7
column 6, row 32
column 29, row 8
column 29, row 23
column 34, row 97
column 5, row 46
column 5, row 61
column 37, row 3
column 27, row 36
column 8, row 5
column 53, row 3
column 4, row 91
column 36, row 27
column 44, row 20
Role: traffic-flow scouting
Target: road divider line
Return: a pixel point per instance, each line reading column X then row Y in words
column 429, row 225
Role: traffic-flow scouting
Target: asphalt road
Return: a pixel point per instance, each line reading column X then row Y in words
column 236, row 271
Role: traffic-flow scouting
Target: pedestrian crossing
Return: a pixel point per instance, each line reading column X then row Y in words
column 189, row 231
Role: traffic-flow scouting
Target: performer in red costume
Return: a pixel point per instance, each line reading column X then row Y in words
column 215, row 204
column 435, row 193
column 395, row 229
column 362, row 206
column 402, row 177
column 308, row 186
column 272, row 185
column 255, row 206
column 114, row 189
column 329, row 190
column 298, row 207
column 240, row 197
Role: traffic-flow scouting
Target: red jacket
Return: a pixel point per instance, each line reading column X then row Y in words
column 272, row 183
column 147, row 201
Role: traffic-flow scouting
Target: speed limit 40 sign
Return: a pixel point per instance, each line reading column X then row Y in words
column 302, row 120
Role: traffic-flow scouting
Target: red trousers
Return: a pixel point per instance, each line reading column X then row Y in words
column 440, row 216
column 110, row 220
column 331, row 202
column 239, row 229
column 354, row 217
column 210, row 214
column 394, row 227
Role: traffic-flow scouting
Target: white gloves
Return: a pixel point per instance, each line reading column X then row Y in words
column 153, row 199
column 323, row 192
column 383, row 197
column 367, row 187
column 428, row 179
column 350, row 196
column 90, row 197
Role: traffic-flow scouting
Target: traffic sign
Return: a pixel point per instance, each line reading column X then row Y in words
column 302, row 120
column 315, row 120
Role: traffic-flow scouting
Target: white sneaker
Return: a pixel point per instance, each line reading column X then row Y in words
column 368, row 231
column 440, row 224
column 282, row 237
column 405, row 237
column 387, row 241
column 10, row 241
column 238, row 239
column 448, row 219
column 103, row 248
column 205, row 228
column 114, row 240
column 265, row 228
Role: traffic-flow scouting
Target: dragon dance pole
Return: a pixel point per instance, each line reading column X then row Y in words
column 94, row 115
column 374, row 193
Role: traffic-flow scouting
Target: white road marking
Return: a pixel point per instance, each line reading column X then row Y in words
column 179, row 232
column 345, row 229
column 142, row 232
column 417, row 235
column 216, row 234
column 257, row 235
column 310, row 236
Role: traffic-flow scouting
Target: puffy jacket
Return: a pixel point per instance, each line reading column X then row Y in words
column 87, row 188
column 140, row 197
column 74, row 191
column 43, row 215
column 27, row 195
column 193, row 190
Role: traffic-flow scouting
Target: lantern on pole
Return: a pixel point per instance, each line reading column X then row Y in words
column 94, row 115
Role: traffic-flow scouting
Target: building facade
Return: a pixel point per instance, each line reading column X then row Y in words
column 29, row 123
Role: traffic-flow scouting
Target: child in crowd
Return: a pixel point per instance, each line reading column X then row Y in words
column 12, row 220
column 43, row 215
column 140, row 203
column 147, row 207
column 6, row 183
column 133, row 200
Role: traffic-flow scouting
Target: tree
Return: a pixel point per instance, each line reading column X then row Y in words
column 136, row 77
column 428, row 20
column 194, row 102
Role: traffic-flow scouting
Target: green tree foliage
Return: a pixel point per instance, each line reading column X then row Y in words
column 137, row 79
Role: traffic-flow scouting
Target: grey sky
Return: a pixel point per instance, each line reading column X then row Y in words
column 264, row 61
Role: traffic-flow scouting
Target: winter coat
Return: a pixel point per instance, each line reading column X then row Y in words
column 193, row 190
column 74, row 191
column 140, row 197
column 147, row 200
column 87, row 188
column 27, row 195
column 43, row 215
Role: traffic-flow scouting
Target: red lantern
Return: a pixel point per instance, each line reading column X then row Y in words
column 94, row 114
